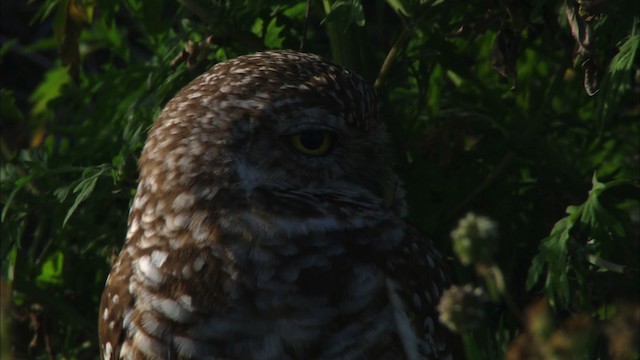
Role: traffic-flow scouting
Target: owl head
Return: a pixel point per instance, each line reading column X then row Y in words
column 282, row 133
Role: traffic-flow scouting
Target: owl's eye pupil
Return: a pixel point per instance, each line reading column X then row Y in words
column 312, row 142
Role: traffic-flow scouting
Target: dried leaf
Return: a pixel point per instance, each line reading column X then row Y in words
column 591, row 76
column 582, row 32
column 580, row 29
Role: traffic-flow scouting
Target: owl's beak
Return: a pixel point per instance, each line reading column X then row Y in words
column 383, row 184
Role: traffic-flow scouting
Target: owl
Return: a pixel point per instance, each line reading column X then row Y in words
column 268, row 224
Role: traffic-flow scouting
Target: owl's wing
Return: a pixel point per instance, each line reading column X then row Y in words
column 115, row 304
column 154, row 304
column 417, row 276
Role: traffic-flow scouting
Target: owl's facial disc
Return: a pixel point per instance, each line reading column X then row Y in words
column 307, row 159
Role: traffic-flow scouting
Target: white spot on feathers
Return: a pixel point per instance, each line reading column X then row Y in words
column 403, row 325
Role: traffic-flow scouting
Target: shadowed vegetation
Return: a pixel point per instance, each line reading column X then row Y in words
column 523, row 112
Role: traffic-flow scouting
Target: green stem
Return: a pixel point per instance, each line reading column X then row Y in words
column 399, row 44
column 494, row 282
column 345, row 47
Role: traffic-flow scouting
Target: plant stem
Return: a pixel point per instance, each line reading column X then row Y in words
column 345, row 47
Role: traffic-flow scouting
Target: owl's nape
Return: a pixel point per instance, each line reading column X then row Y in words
column 268, row 224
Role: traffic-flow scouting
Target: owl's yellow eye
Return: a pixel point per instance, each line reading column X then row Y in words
column 312, row 142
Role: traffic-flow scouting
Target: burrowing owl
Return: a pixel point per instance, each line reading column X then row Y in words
column 268, row 224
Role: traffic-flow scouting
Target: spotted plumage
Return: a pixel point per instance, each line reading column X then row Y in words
column 268, row 224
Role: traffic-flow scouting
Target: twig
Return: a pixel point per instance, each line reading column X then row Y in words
column 386, row 65
column 306, row 25
column 605, row 264
column 400, row 42
column 494, row 280
column 47, row 340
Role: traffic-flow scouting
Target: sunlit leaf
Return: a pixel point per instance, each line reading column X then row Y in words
column 49, row 89
column 51, row 270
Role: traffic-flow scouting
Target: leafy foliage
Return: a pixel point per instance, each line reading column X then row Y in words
column 593, row 222
column 508, row 109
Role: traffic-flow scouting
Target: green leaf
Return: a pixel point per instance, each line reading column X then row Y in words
column 556, row 258
column 596, row 187
column 51, row 270
column 346, row 12
column 8, row 107
column 600, row 220
column 618, row 77
column 553, row 258
column 84, row 188
column 272, row 36
column 62, row 192
column 7, row 46
column 19, row 184
column 400, row 6
column 49, row 89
